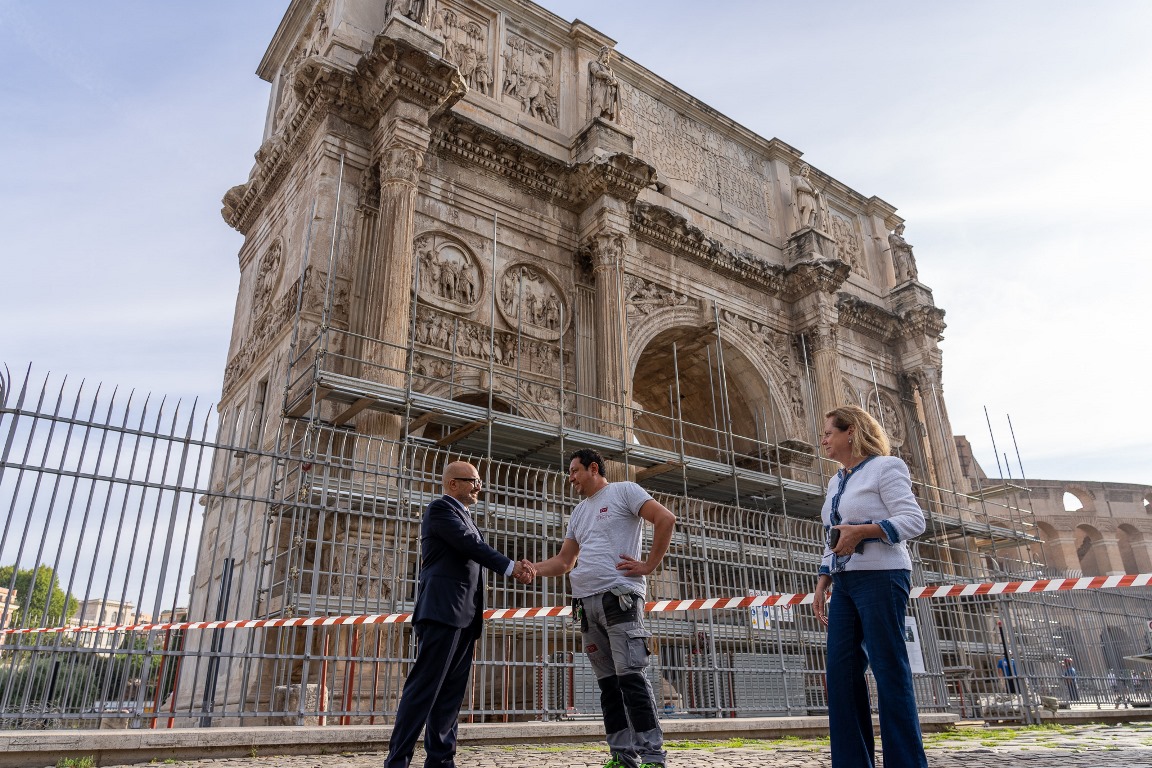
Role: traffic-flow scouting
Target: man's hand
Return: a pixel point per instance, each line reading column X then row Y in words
column 524, row 571
column 633, row 567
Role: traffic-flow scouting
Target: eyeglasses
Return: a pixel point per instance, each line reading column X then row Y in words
column 474, row 480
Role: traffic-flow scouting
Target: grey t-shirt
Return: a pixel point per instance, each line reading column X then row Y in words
column 607, row 525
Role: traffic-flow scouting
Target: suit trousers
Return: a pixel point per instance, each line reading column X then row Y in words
column 432, row 696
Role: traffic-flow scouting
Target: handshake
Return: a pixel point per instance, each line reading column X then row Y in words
column 524, row 571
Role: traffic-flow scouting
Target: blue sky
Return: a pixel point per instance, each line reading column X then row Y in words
column 1012, row 137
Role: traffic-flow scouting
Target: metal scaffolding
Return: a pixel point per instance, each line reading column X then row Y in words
column 309, row 504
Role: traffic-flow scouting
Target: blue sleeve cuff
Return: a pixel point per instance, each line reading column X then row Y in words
column 825, row 571
column 889, row 531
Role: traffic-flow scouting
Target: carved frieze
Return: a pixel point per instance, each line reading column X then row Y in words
column 530, row 79
column 451, row 276
column 531, row 301
column 464, row 339
column 267, row 278
column 269, row 326
column 535, row 399
column 848, row 392
column 848, row 247
column 644, row 297
column 466, row 44
column 776, row 348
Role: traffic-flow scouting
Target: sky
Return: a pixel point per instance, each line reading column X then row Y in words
column 1012, row 137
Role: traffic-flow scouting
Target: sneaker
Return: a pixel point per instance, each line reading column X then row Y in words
column 615, row 762
column 651, row 765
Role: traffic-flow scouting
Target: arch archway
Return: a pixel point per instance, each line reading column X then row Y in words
column 1082, row 500
column 1090, row 551
column 694, row 398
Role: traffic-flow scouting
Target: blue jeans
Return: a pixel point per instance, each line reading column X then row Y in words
column 866, row 627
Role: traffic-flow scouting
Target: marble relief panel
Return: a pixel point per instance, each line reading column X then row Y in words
column 849, row 248
column 530, row 78
column 530, row 299
column 467, row 43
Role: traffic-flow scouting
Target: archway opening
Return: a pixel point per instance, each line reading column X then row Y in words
column 710, row 403
column 1072, row 502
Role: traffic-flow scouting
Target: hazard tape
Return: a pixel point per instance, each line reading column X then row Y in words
column 658, row 606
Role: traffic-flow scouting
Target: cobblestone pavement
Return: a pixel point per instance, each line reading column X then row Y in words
column 1083, row 746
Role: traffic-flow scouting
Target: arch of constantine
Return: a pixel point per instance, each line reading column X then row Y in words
column 474, row 231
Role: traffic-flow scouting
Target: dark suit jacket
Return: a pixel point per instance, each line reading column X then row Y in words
column 451, row 589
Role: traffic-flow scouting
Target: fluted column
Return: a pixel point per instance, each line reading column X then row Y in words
column 389, row 279
column 404, row 81
column 610, row 331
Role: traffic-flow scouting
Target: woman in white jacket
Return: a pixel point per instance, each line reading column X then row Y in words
column 869, row 514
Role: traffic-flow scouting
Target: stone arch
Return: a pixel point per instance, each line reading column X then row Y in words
column 1090, row 551
column 749, row 392
column 1082, row 495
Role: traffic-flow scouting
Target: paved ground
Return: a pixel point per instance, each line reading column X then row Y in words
column 1083, row 746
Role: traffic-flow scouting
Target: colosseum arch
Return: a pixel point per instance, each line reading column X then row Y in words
column 1090, row 551
column 748, row 391
column 1082, row 495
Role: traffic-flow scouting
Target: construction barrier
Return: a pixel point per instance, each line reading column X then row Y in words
column 657, row 606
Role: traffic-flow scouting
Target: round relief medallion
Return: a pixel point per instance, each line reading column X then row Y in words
column 531, row 300
column 450, row 276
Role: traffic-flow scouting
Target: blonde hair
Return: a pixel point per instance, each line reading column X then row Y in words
column 870, row 439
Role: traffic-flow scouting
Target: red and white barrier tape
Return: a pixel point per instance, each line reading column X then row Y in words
column 715, row 603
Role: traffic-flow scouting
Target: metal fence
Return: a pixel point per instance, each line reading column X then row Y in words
column 121, row 509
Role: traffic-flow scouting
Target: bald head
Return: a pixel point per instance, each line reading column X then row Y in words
column 461, row 481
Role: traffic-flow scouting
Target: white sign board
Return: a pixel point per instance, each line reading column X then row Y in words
column 912, row 641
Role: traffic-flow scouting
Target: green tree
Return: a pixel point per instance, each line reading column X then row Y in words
column 38, row 590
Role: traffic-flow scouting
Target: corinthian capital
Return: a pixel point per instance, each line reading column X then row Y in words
column 400, row 163
column 823, row 336
column 605, row 251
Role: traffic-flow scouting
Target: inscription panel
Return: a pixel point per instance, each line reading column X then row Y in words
column 686, row 150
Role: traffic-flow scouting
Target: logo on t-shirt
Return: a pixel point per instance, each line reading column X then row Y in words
column 602, row 513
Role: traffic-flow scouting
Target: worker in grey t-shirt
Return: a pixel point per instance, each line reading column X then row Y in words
column 602, row 550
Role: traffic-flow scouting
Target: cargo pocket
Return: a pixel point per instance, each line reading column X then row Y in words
column 638, row 652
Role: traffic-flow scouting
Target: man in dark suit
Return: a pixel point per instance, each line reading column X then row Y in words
column 448, row 619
